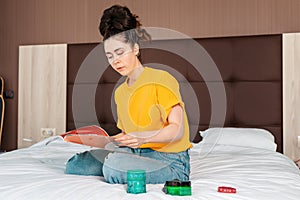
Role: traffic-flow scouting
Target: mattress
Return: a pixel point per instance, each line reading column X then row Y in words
column 37, row 172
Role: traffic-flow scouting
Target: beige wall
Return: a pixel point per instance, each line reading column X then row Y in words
column 291, row 94
column 76, row 21
column 42, row 92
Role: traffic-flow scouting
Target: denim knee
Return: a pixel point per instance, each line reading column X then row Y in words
column 84, row 164
column 110, row 171
column 116, row 165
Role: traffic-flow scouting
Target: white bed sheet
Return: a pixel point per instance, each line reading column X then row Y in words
column 37, row 173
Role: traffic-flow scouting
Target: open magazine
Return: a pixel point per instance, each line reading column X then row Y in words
column 94, row 136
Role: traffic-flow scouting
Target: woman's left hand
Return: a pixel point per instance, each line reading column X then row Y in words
column 130, row 140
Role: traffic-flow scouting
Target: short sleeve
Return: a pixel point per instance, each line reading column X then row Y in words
column 119, row 122
column 168, row 94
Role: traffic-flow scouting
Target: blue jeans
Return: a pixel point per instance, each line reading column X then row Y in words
column 160, row 167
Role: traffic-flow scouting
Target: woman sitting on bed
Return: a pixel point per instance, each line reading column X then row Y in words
column 151, row 114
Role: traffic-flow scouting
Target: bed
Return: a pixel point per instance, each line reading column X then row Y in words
column 241, row 149
column 256, row 172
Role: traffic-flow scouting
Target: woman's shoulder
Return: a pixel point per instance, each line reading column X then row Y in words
column 158, row 73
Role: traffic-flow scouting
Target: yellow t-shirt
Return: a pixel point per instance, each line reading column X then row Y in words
column 146, row 104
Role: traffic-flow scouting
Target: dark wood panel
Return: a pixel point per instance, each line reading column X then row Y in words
column 252, row 99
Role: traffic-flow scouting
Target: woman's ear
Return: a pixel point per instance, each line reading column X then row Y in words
column 136, row 49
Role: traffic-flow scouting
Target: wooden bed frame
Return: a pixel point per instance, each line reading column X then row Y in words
column 250, row 69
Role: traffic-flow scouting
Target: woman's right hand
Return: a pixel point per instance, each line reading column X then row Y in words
column 129, row 140
column 119, row 135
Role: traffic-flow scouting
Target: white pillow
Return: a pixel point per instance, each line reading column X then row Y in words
column 246, row 137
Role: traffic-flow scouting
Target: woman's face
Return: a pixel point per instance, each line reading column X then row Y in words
column 120, row 55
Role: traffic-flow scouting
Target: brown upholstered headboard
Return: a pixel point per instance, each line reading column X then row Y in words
column 250, row 70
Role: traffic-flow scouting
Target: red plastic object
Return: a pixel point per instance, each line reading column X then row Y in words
column 93, row 136
column 225, row 189
column 87, row 130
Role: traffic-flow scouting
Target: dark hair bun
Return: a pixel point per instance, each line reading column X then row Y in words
column 118, row 19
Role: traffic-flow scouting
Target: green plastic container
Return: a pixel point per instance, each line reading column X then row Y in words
column 178, row 188
column 136, row 181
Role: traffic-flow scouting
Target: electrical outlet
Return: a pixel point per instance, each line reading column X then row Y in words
column 47, row 132
column 298, row 141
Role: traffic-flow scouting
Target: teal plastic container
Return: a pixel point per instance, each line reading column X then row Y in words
column 136, row 181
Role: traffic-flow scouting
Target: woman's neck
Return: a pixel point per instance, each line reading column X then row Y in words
column 134, row 75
